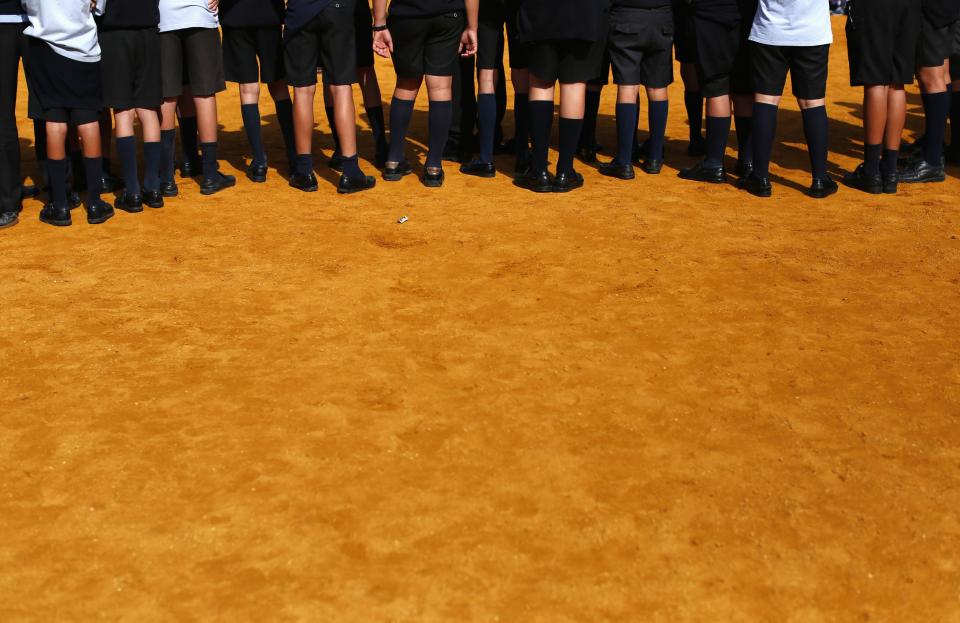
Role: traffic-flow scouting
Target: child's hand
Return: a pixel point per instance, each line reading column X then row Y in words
column 213, row 5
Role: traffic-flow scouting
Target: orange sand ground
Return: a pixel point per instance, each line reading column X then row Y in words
column 642, row 401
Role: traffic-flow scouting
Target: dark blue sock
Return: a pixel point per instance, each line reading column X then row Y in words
column 693, row 101
column 210, row 164
column 400, row 113
column 127, row 150
column 332, row 120
column 764, row 131
column 351, row 167
column 626, row 131
column 486, row 123
column 188, row 138
column 588, row 132
column 815, row 126
column 57, row 177
column 521, row 115
column 441, row 116
column 168, row 139
column 304, row 164
column 285, row 119
column 541, row 120
column 151, row 166
column 718, row 128
column 955, row 121
column 251, row 124
column 570, row 132
column 76, row 168
column 744, row 126
column 888, row 165
column 377, row 126
column 657, row 118
column 871, row 159
column 936, row 108
column 94, row 170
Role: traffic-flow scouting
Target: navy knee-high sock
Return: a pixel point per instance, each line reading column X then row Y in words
column 888, row 164
column 78, row 170
column 400, row 113
column 955, row 122
column 486, row 123
column 332, row 120
column 626, row 131
column 936, row 108
column 521, row 115
column 570, row 132
column 210, row 165
column 251, row 124
column 815, row 129
column 377, row 126
column 285, row 119
column 588, row 133
column 718, row 128
column 57, row 177
column 693, row 101
column 764, row 132
column 188, row 138
column 541, row 120
column 93, row 167
column 441, row 116
column 871, row 159
column 151, row 166
column 744, row 127
column 657, row 119
column 167, row 140
column 127, row 150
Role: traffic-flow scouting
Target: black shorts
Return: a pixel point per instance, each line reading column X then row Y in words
column 66, row 91
column 723, row 58
column 519, row 50
column 191, row 57
column 639, row 45
column 567, row 61
column 684, row 41
column 882, row 41
column 493, row 17
column 130, row 62
column 935, row 45
column 426, row 46
column 955, row 55
column 328, row 41
column 362, row 26
column 807, row 66
column 253, row 54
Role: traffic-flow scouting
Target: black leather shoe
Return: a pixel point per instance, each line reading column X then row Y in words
column 522, row 163
column 922, row 172
column 952, row 154
column 129, row 203
column 100, row 212
column 28, row 191
column 587, row 154
column 153, row 199
column 890, row 183
column 257, row 172
column 537, row 182
column 336, row 163
column 641, row 151
column 744, row 168
column 111, row 183
column 169, row 189
column 349, row 185
column 456, row 154
column 861, row 180
column 8, row 219
column 697, row 146
column 191, row 168
column 52, row 215
column 617, row 170
column 433, row 179
column 565, row 182
column 73, row 200
column 822, row 187
column 479, row 169
column 700, row 172
column 755, row 185
column 306, row 183
column 397, row 173
column 652, row 167
column 214, row 185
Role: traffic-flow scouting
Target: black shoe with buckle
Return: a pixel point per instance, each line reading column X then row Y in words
column 213, row 185
column 861, row 180
column 567, row 181
column 479, row 169
column 756, row 185
column 702, row 172
column 537, row 182
column 617, row 170
column 129, row 203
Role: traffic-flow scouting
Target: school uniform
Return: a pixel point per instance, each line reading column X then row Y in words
column 792, row 38
column 566, row 38
column 882, row 41
column 252, row 40
column 320, row 33
column 683, row 37
column 130, row 43
column 13, row 20
column 190, row 48
column 938, row 18
column 426, row 36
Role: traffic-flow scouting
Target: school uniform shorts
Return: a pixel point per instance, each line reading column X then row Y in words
column 66, row 91
column 807, row 66
column 723, row 57
column 253, row 54
column 191, row 57
column 328, row 41
column 426, row 45
column 639, row 45
column 130, row 60
column 684, row 38
column 490, row 40
column 568, row 61
column 936, row 43
column 882, row 41
column 519, row 50
column 362, row 26
column 955, row 54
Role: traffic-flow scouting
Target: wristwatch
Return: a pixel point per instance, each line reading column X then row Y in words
column 378, row 28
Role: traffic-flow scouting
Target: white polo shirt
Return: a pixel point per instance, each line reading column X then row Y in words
column 792, row 23
column 67, row 27
column 183, row 14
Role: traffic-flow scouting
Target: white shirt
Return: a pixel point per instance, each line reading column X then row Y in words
column 67, row 26
column 792, row 23
column 182, row 14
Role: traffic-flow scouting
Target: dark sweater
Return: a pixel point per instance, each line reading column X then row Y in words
column 302, row 12
column 642, row 4
column 724, row 11
column 941, row 12
column 251, row 13
column 11, row 7
column 130, row 14
column 562, row 20
column 424, row 8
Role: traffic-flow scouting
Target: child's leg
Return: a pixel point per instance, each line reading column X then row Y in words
column 373, row 104
column 303, row 98
column 657, row 109
column 127, row 149
column 573, row 104
column 57, row 163
column 168, row 137
column 440, row 90
column 250, row 113
column 187, row 117
column 206, row 107
column 487, row 113
column 152, row 150
column 281, row 98
column 627, row 112
column 92, row 159
column 401, row 110
column 329, row 109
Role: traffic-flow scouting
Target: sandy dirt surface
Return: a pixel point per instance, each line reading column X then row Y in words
column 653, row 400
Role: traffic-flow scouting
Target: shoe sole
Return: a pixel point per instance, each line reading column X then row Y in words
column 213, row 191
column 128, row 210
column 432, row 183
column 536, row 189
column 257, row 179
column 306, row 189
column 625, row 178
column 651, row 171
column 102, row 219
column 483, row 175
column 10, row 224
column 56, row 223
column 566, row 189
column 156, row 206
